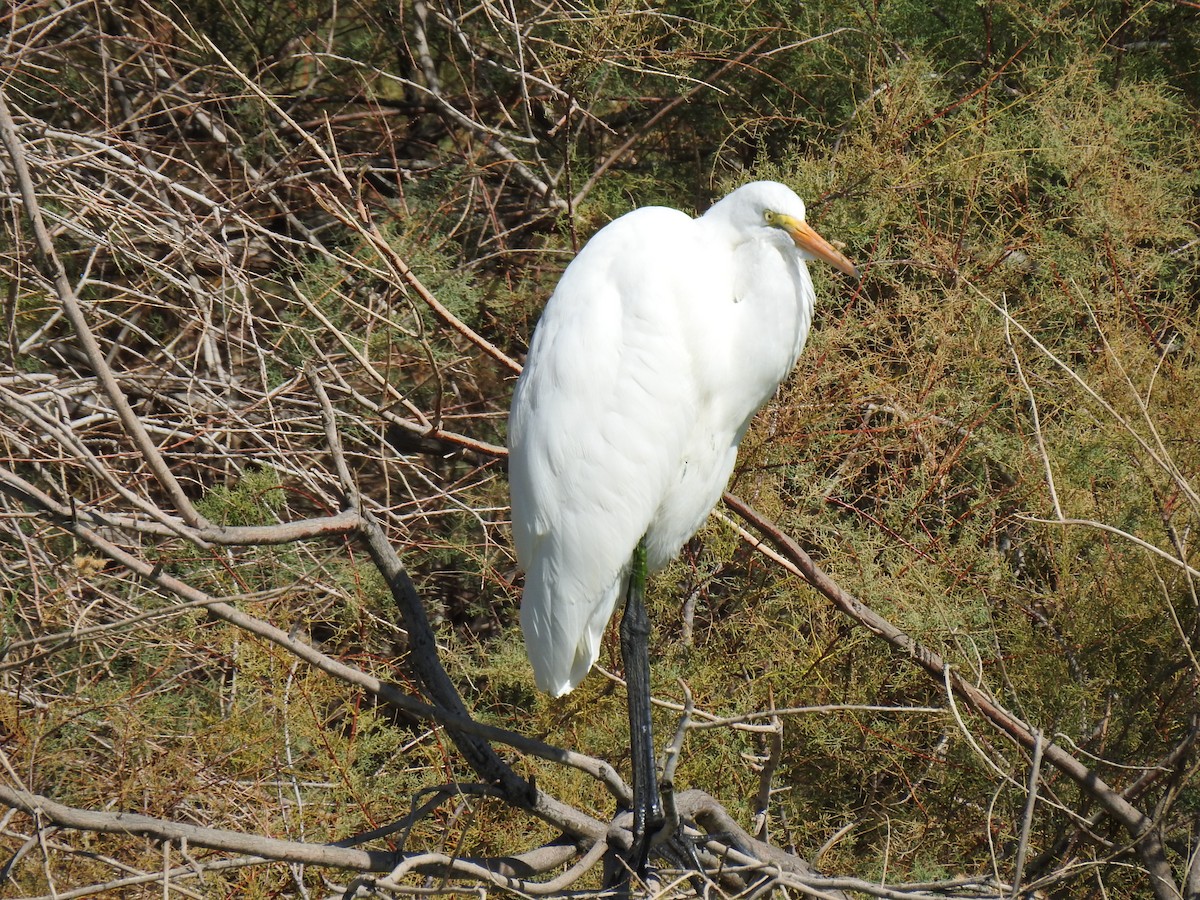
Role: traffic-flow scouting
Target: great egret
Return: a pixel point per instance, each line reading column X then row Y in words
column 663, row 338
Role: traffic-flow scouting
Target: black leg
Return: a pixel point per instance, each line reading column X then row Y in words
column 635, row 653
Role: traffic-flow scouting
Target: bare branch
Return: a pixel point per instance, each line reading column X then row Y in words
column 218, row 839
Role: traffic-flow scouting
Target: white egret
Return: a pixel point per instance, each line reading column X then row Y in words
column 663, row 338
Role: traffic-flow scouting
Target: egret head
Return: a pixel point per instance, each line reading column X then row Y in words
column 773, row 205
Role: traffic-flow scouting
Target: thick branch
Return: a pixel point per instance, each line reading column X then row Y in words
column 505, row 871
column 214, row 838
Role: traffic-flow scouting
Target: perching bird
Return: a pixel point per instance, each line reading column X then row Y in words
column 663, row 338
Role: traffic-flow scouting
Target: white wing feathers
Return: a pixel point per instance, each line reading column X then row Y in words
column 597, row 430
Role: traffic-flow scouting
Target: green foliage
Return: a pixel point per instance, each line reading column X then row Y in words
column 256, row 500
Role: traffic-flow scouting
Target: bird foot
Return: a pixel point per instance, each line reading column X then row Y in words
column 666, row 843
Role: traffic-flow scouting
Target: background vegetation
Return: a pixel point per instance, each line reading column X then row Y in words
column 278, row 214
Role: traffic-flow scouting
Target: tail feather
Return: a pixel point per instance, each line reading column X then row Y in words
column 563, row 630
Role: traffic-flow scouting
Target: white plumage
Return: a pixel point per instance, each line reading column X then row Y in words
column 663, row 338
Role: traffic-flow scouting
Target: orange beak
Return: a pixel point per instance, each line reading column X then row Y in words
column 812, row 243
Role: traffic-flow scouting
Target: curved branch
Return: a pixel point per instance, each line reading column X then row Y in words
column 501, row 871
column 213, row 838
column 83, row 332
